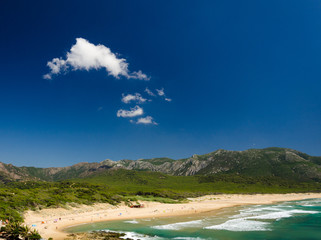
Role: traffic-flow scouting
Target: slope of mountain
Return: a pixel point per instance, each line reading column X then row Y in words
column 270, row 162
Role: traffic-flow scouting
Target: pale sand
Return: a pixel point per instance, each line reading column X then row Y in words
column 53, row 227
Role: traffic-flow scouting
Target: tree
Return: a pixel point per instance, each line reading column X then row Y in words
column 33, row 235
column 17, row 231
column 12, row 231
column 24, row 231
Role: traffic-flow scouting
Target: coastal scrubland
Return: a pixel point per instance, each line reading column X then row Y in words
column 120, row 185
column 164, row 180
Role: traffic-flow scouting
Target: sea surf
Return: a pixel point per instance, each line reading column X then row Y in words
column 286, row 220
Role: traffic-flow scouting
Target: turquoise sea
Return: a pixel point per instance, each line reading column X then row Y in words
column 286, row 220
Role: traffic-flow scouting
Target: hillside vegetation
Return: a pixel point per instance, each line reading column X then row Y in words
column 278, row 162
column 114, row 186
column 271, row 170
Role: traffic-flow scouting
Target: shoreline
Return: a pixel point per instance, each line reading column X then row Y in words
column 53, row 222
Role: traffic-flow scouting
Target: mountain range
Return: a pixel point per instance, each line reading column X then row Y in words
column 272, row 162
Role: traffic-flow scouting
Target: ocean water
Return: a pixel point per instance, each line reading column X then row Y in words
column 286, row 220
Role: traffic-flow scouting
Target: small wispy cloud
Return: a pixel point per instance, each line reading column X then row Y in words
column 99, row 109
column 146, row 120
column 160, row 92
column 149, row 92
column 136, row 98
column 133, row 112
column 86, row 56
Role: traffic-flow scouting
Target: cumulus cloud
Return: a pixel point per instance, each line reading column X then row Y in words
column 133, row 112
column 136, row 98
column 146, row 120
column 86, row 56
column 149, row 92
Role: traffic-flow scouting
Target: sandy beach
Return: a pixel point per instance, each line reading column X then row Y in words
column 52, row 222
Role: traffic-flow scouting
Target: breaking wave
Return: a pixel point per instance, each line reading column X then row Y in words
column 180, row 225
column 135, row 236
column 256, row 218
column 241, row 224
column 131, row 221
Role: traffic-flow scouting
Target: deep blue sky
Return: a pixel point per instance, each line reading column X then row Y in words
column 241, row 74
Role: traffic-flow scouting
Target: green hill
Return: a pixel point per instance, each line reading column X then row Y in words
column 270, row 170
column 269, row 162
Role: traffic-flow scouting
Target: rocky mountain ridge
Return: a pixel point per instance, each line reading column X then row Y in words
column 279, row 162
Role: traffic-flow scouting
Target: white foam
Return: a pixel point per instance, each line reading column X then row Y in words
column 310, row 203
column 251, row 210
column 255, row 211
column 189, row 238
column 271, row 212
column 131, row 221
column 244, row 220
column 281, row 214
column 240, row 225
column 178, row 226
column 137, row 236
column 134, row 235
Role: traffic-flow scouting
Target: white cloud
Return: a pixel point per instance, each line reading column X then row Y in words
column 133, row 112
column 139, row 75
column 47, row 76
column 146, row 120
column 129, row 97
column 149, row 92
column 160, row 92
column 86, row 56
column 56, row 65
